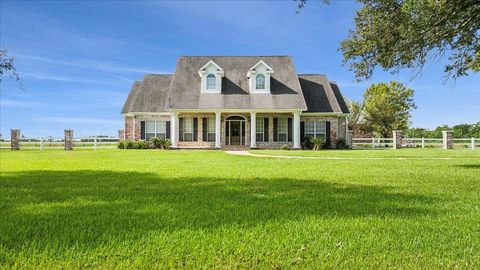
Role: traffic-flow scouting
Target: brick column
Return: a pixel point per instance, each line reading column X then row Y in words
column 397, row 139
column 121, row 135
column 447, row 139
column 15, row 139
column 68, row 143
column 349, row 139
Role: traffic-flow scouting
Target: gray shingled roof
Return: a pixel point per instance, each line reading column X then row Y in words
column 319, row 94
column 150, row 95
column 185, row 93
column 162, row 92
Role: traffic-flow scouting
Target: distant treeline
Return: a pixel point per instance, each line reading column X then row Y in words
column 459, row 131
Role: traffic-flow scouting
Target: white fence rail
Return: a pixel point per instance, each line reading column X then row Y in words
column 372, row 143
column 53, row 143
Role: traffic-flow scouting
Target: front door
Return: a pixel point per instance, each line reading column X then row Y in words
column 235, row 132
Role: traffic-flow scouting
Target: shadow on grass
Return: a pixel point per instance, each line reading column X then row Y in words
column 469, row 166
column 88, row 208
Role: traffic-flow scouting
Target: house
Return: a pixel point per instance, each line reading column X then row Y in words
column 238, row 101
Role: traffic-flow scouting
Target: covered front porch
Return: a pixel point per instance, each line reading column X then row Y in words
column 235, row 129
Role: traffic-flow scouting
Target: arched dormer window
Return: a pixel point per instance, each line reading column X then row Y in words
column 260, row 82
column 211, row 82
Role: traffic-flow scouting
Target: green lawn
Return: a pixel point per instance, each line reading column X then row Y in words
column 205, row 209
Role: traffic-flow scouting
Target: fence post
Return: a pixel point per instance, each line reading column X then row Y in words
column 397, row 139
column 423, row 142
column 473, row 143
column 41, row 143
column 95, row 143
column 15, row 139
column 373, row 142
column 447, row 142
column 68, row 141
column 350, row 138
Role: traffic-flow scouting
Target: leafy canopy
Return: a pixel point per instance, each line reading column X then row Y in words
column 398, row 34
column 7, row 67
column 387, row 107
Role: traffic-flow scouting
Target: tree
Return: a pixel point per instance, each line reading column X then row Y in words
column 355, row 108
column 387, row 107
column 397, row 34
column 7, row 67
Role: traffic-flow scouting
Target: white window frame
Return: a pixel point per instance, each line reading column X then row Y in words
column 209, row 79
column 185, row 132
column 257, row 81
column 260, row 129
column 156, row 130
column 319, row 129
column 283, row 132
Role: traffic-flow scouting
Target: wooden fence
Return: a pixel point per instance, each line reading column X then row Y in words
column 379, row 143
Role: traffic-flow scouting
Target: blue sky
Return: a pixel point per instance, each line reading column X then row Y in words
column 79, row 59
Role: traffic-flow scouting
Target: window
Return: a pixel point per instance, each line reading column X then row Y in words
column 211, row 129
column 260, row 129
column 211, row 82
column 155, row 129
column 314, row 129
column 282, row 129
column 188, row 129
column 260, row 82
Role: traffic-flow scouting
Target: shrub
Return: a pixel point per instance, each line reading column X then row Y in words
column 161, row 143
column 139, row 145
column 307, row 143
column 121, row 145
column 341, row 144
column 318, row 143
column 284, row 147
column 128, row 145
column 149, row 145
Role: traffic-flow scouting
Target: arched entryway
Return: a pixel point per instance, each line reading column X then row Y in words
column 235, row 130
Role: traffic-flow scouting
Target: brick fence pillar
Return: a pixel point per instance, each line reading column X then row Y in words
column 349, row 139
column 397, row 139
column 68, row 139
column 121, row 135
column 15, row 139
column 447, row 139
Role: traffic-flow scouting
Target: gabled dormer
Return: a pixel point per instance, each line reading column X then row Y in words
column 259, row 78
column 211, row 75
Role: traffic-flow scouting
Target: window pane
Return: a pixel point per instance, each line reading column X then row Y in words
column 188, row 136
column 309, row 128
column 259, row 124
column 282, row 137
column 260, row 81
column 259, row 137
column 149, row 136
column 188, row 125
column 320, row 128
column 150, row 127
column 211, row 81
column 161, row 127
column 211, row 125
column 211, row 137
column 282, row 125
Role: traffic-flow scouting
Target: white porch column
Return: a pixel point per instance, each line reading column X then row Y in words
column 217, row 129
column 296, row 130
column 174, row 129
column 253, row 130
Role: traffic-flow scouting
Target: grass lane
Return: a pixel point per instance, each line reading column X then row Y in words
column 207, row 209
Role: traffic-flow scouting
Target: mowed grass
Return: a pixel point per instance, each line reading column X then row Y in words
column 132, row 209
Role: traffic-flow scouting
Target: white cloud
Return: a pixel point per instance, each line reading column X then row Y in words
column 21, row 104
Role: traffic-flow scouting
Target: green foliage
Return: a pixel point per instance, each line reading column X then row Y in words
column 387, row 107
column 284, row 147
column 113, row 209
column 407, row 34
column 459, row 131
column 355, row 108
column 341, row 144
column 318, row 143
column 139, row 145
column 7, row 67
column 307, row 143
column 161, row 143
column 129, row 145
column 121, row 145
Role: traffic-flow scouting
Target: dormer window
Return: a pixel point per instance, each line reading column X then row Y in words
column 211, row 82
column 259, row 77
column 211, row 75
column 260, row 82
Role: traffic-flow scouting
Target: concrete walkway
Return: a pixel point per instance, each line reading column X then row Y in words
column 246, row 153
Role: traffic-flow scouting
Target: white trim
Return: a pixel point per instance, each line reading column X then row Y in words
column 296, row 130
column 236, row 110
column 218, row 121
column 252, row 69
column 253, row 129
column 325, row 114
column 211, row 62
